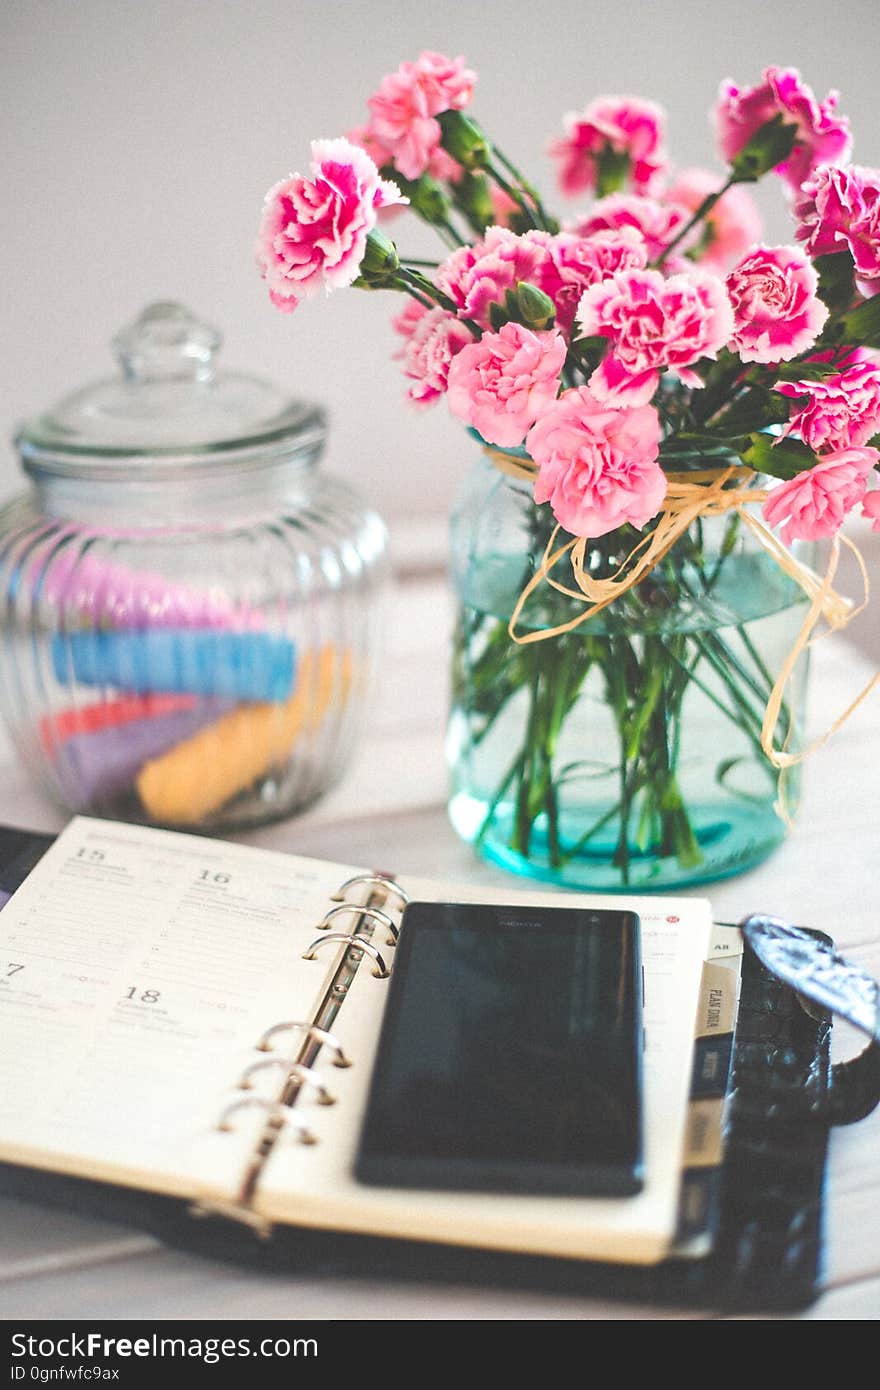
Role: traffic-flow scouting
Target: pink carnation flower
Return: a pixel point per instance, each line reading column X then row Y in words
column 650, row 323
column 432, row 338
column 410, row 316
column 733, row 225
column 871, row 508
column 503, row 206
column 628, row 125
column 822, row 136
column 813, row 505
column 597, row 467
column 839, row 210
column 366, row 140
column 777, row 314
column 582, row 261
column 476, row 276
column 840, row 412
column 656, row 222
column 505, row 381
column 313, row 232
column 404, row 109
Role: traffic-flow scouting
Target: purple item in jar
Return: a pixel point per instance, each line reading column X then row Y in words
column 93, row 766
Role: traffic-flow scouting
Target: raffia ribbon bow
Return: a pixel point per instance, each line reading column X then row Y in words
column 701, row 493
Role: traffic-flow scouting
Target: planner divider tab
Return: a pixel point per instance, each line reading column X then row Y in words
column 705, row 1129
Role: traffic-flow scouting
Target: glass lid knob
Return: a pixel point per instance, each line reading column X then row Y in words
column 167, row 342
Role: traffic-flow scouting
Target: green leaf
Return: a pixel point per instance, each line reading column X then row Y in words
column 753, row 411
column 784, row 459
column 589, row 351
column 836, row 279
column 862, row 325
column 805, row 371
column 874, row 441
column 770, row 145
column 498, row 316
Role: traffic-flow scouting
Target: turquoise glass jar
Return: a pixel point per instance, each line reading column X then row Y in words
column 625, row 754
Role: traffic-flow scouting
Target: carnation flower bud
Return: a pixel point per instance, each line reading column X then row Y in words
column 536, row 309
column 426, row 196
column 473, row 197
column 463, row 139
column 381, row 260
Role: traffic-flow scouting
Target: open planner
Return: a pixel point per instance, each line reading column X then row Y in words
column 198, row 1019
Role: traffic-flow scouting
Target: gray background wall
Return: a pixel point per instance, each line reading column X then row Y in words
column 138, row 140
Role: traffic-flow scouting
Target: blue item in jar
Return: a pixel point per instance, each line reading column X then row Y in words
column 228, row 665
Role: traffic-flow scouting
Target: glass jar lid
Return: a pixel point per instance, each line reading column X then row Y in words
column 170, row 410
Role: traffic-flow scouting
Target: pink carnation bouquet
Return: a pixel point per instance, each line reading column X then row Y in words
column 643, row 364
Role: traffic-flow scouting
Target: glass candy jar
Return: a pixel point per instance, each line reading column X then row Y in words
column 190, row 608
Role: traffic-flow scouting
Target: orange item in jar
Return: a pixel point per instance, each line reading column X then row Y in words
column 198, row 776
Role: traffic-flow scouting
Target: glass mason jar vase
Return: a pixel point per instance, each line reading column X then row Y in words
column 625, row 754
column 189, row 615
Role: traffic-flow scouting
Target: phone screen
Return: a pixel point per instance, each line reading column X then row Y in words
column 510, row 1056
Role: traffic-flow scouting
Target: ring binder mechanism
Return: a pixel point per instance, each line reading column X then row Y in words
column 308, row 1077
column 315, row 1033
column 275, row 1114
column 298, row 1068
column 361, row 943
column 320, row 1035
column 375, row 881
column 375, row 913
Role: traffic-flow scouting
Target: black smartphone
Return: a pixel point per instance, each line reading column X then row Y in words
column 510, row 1056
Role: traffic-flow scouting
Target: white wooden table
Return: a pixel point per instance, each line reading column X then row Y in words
column 390, row 811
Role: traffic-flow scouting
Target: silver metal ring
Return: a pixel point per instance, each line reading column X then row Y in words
column 360, row 942
column 309, row 1077
column 319, row 1034
column 244, row 1081
column 374, row 912
column 377, row 881
column 303, row 1133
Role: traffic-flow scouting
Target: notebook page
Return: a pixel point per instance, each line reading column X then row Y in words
column 316, row 1186
column 138, row 969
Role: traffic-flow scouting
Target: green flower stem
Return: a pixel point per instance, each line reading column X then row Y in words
column 516, row 193
column 734, row 716
column 582, row 841
column 702, row 211
column 418, row 296
column 547, row 222
column 408, row 279
column 515, row 767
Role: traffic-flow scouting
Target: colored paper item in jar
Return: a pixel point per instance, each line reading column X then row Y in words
column 107, row 594
column 94, row 766
column 201, row 775
column 228, row 665
column 108, row 714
